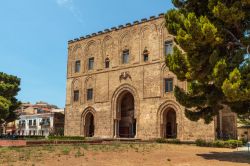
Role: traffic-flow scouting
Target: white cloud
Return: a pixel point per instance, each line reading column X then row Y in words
column 69, row 5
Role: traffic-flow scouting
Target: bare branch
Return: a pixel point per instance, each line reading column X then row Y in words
column 234, row 37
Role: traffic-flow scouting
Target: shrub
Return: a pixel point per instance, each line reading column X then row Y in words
column 161, row 140
column 32, row 137
column 174, row 141
column 170, row 141
column 66, row 138
column 201, row 142
column 233, row 143
column 219, row 143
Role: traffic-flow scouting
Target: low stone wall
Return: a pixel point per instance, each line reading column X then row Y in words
column 4, row 143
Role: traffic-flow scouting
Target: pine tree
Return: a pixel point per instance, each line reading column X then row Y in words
column 9, row 87
column 214, row 36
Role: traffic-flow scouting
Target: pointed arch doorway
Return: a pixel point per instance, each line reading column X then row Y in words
column 88, row 122
column 169, row 124
column 125, row 123
column 89, row 125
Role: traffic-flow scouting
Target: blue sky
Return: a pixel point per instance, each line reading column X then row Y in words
column 34, row 35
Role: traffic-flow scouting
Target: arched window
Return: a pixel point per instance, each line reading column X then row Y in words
column 107, row 63
column 145, row 55
column 77, row 66
column 168, row 47
column 125, row 56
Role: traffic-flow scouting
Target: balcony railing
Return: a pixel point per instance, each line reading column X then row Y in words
column 32, row 126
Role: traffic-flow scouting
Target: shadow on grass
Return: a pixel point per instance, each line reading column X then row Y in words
column 237, row 157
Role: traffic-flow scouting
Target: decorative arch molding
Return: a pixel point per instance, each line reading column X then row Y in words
column 84, row 113
column 123, row 35
column 106, row 38
column 89, row 78
column 116, row 97
column 88, row 45
column 108, row 47
column 151, row 27
column 164, row 67
column 76, row 83
column 148, row 39
column 75, row 52
column 166, row 106
column 122, row 39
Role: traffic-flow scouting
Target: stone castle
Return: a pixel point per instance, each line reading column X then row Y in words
column 118, row 86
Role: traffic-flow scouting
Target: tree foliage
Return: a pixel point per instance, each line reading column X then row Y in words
column 214, row 36
column 9, row 87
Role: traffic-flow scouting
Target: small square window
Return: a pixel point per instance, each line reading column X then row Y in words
column 89, row 94
column 125, row 56
column 77, row 66
column 91, row 63
column 76, row 95
column 169, row 85
column 168, row 47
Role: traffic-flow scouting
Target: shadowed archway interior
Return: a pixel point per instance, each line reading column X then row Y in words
column 89, row 125
column 127, row 122
column 169, row 124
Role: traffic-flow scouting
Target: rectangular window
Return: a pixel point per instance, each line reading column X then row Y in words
column 169, row 85
column 107, row 63
column 91, row 63
column 34, row 122
column 23, row 122
column 145, row 56
column 77, row 66
column 89, row 94
column 76, row 95
column 168, row 47
column 30, row 122
column 125, row 56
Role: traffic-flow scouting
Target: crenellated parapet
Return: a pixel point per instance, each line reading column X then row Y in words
column 117, row 28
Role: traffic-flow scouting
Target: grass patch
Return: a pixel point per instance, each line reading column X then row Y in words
column 48, row 148
column 79, row 153
column 65, row 150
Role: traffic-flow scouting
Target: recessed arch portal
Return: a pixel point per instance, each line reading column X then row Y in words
column 89, row 125
column 169, row 120
column 88, row 122
column 169, row 124
column 125, row 112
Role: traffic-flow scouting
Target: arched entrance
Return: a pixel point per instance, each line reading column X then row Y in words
column 169, row 124
column 126, row 122
column 89, row 127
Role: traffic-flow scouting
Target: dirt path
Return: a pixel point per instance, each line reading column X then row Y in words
column 123, row 155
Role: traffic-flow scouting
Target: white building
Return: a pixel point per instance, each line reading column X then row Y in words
column 40, row 124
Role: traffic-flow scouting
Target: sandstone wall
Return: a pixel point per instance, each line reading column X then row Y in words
column 145, row 80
